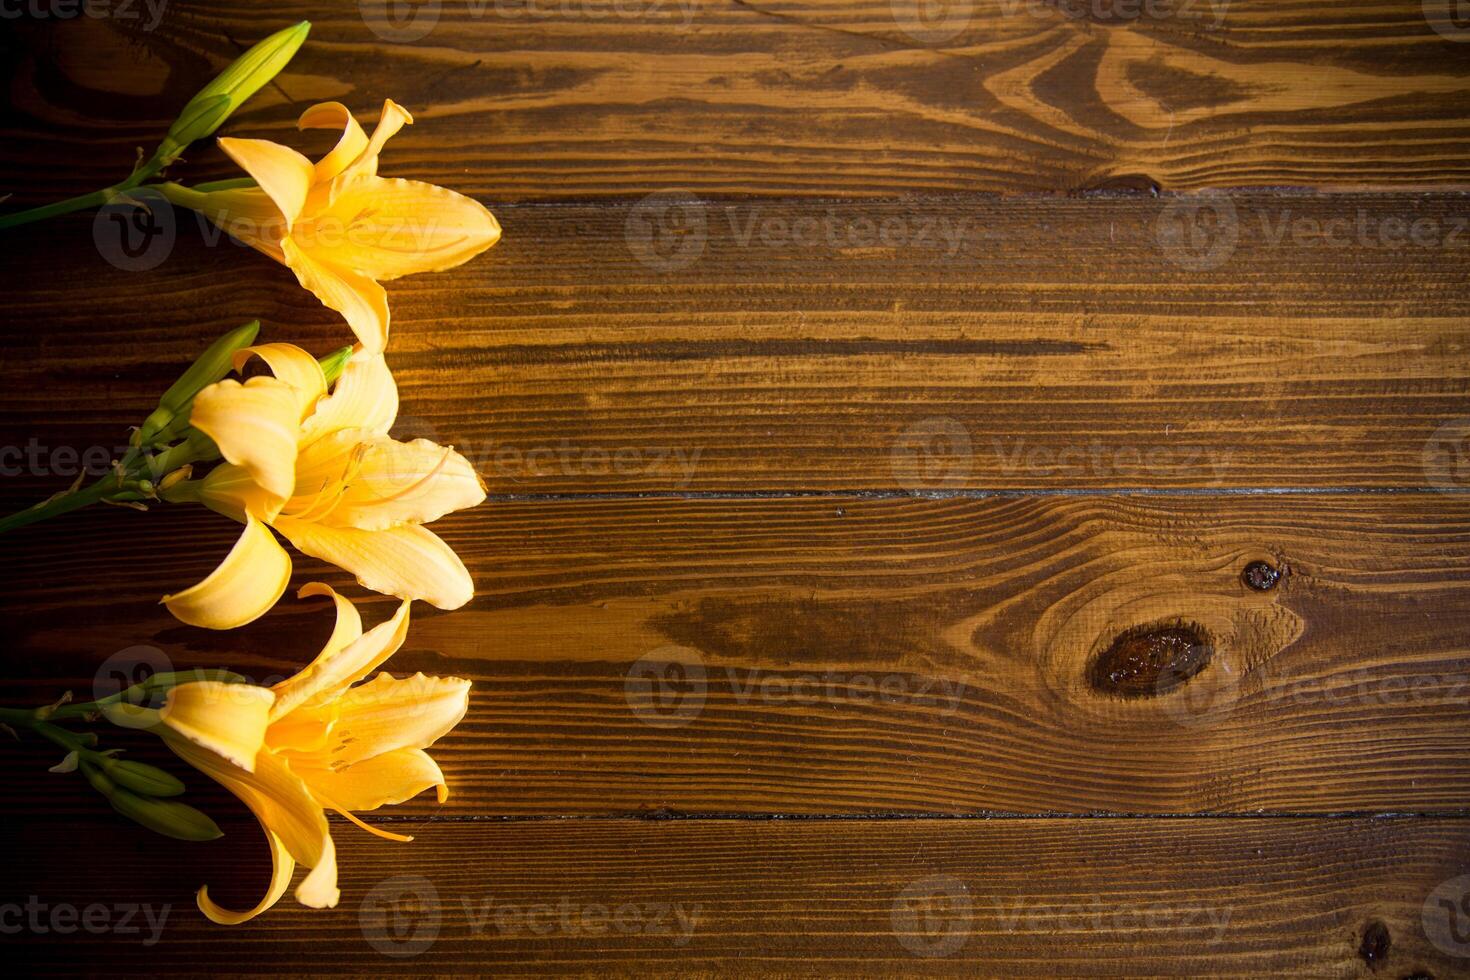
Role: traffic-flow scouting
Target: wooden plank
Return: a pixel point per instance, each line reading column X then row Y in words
column 852, row 655
column 575, row 100
column 1054, row 344
column 1052, row 898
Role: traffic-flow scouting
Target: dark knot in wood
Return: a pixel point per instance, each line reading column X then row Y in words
column 1147, row 661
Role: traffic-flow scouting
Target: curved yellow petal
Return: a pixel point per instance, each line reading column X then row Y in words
column 278, row 798
column 281, row 868
column 333, row 670
column 386, row 228
column 408, row 561
column 361, row 301
column 231, row 490
column 246, row 584
column 318, row 890
column 292, row 365
column 393, row 118
column 228, row 719
column 380, row 781
column 334, row 115
column 348, row 627
column 365, row 397
column 256, row 425
column 389, row 714
column 405, row 483
column 281, row 172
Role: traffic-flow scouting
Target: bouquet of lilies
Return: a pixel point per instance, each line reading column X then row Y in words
column 299, row 451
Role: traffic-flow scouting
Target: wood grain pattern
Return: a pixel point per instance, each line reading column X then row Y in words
column 522, row 101
column 866, row 656
column 813, row 636
column 1057, row 344
column 1046, row 898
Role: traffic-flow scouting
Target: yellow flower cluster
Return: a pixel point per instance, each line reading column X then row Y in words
column 304, row 452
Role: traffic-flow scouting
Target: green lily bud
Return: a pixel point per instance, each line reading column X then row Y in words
column 216, row 101
column 167, row 817
column 209, row 367
column 334, row 363
column 141, row 777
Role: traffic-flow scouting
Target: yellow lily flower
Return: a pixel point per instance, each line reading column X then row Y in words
column 312, row 743
column 338, row 225
column 321, row 470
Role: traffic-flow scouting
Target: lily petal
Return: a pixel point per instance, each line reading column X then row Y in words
column 282, row 867
column 256, row 425
column 361, row 301
column 393, row 118
column 292, row 365
column 246, row 214
column 348, row 627
column 408, row 561
column 382, row 780
column 228, row 719
column 334, row 669
column 281, row 172
column 284, row 806
column 334, row 115
column 246, row 584
column 389, row 714
column 406, row 483
column 386, row 228
column 365, row 397
column 230, row 490
column 318, row 890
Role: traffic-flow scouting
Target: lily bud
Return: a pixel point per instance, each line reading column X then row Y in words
column 170, row 480
column 167, row 817
column 141, row 777
column 334, row 363
column 211, row 366
column 216, row 101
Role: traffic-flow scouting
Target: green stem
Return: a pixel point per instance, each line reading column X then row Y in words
column 61, row 504
column 135, row 466
column 80, row 202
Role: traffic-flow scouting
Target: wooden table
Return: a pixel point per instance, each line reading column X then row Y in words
column 896, row 419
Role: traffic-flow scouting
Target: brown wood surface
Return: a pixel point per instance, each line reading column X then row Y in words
column 847, row 655
column 585, row 98
column 1038, row 897
column 838, row 501
column 1044, row 344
